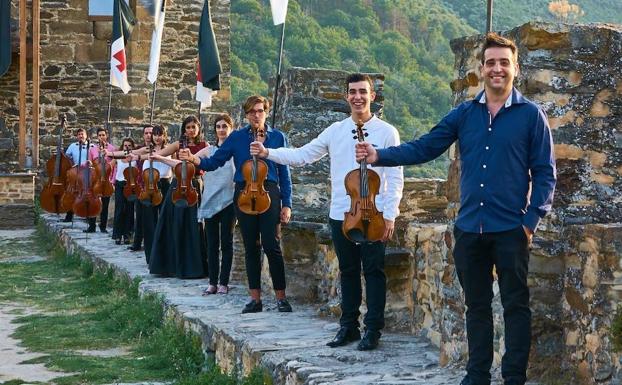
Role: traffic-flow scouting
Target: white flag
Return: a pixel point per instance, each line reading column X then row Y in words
column 118, row 66
column 204, row 94
column 156, row 44
column 279, row 11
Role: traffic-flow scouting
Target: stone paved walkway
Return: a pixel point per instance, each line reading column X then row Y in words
column 291, row 346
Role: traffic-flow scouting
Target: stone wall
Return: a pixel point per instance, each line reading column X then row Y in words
column 75, row 73
column 17, row 197
column 573, row 72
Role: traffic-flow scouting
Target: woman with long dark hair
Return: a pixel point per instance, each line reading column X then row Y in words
column 217, row 212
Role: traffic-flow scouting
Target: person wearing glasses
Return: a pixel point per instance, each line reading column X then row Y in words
column 261, row 230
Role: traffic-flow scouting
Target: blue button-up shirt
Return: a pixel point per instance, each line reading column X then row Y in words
column 237, row 145
column 499, row 158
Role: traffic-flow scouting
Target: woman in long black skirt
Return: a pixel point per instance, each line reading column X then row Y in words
column 177, row 249
column 123, row 209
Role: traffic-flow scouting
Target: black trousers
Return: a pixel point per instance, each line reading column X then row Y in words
column 123, row 213
column 475, row 255
column 219, row 234
column 262, row 230
column 103, row 217
column 351, row 256
column 137, row 227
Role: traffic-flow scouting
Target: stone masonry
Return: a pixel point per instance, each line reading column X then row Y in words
column 17, row 194
column 75, row 73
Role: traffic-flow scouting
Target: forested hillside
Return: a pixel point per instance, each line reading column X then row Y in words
column 407, row 40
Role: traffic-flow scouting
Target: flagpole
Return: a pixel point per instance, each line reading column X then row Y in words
column 489, row 16
column 278, row 76
column 109, row 96
column 153, row 98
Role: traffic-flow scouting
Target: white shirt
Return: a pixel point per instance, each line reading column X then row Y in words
column 218, row 188
column 337, row 141
column 163, row 168
column 121, row 166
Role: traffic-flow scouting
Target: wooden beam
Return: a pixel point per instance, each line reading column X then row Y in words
column 22, row 83
column 35, row 81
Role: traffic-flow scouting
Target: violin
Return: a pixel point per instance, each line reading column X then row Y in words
column 87, row 204
column 363, row 223
column 56, row 167
column 184, row 194
column 254, row 199
column 73, row 185
column 131, row 190
column 103, row 187
column 150, row 194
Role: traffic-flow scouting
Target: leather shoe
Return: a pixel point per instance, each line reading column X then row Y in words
column 283, row 306
column 89, row 230
column 132, row 248
column 103, row 231
column 369, row 340
column 253, row 307
column 344, row 336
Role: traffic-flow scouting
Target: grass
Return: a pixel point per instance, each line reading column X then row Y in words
column 81, row 307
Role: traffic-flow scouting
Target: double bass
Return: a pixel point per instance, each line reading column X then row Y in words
column 73, row 182
column 184, row 193
column 87, row 204
column 254, row 199
column 363, row 223
column 103, row 187
column 151, row 195
column 56, row 168
column 132, row 189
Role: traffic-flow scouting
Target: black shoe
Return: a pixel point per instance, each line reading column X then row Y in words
column 117, row 241
column 67, row 220
column 89, row 230
column 103, row 231
column 283, row 306
column 252, row 307
column 370, row 340
column 126, row 240
column 132, row 248
column 344, row 336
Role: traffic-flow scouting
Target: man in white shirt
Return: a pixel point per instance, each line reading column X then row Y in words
column 78, row 153
column 338, row 140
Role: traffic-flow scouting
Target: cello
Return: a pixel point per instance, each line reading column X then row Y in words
column 151, row 196
column 103, row 187
column 73, row 184
column 56, row 168
column 363, row 223
column 87, row 204
column 184, row 193
column 132, row 189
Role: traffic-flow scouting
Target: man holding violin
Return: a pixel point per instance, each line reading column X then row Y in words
column 261, row 228
column 338, row 141
column 94, row 153
column 506, row 187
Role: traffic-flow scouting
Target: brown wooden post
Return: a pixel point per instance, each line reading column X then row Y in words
column 35, row 82
column 22, row 83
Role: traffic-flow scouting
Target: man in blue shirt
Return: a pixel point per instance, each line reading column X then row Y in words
column 262, row 229
column 506, row 186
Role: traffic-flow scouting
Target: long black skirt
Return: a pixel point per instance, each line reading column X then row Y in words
column 177, row 249
column 150, row 216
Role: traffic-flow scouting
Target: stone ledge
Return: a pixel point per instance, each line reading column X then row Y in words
column 290, row 346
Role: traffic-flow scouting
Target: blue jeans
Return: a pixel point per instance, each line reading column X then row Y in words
column 474, row 256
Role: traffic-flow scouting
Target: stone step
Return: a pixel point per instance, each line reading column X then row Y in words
column 291, row 346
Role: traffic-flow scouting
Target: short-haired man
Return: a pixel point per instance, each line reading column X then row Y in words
column 506, row 187
column 337, row 141
column 102, row 136
column 78, row 153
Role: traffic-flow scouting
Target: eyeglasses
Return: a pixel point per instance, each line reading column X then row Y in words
column 255, row 112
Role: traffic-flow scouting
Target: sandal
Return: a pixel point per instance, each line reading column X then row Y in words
column 223, row 289
column 211, row 289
